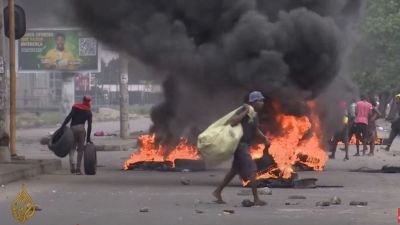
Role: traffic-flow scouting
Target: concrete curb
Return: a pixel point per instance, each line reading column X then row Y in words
column 17, row 170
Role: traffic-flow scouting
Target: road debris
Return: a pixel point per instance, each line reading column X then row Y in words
column 199, row 211
column 144, row 210
column 37, row 208
column 336, row 200
column 323, row 204
column 185, row 181
column 358, row 203
column 292, row 203
column 247, row 203
column 229, row 211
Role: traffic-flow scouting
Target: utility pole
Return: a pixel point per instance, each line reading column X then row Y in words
column 13, row 79
column 4, row 134
column 124, row 97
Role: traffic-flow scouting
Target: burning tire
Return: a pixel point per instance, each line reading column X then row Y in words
column 61, row 142
column 90, row 159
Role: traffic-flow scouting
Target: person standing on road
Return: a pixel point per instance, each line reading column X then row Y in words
column 395, row 124
column 342, row 134
column 363, row 111
column 80, row 113
column 372, row 132
column 243, row 164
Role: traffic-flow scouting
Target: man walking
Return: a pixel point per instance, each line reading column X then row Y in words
column 80, row 113
column 363, row 112
column 395, row 124
column 243, row 164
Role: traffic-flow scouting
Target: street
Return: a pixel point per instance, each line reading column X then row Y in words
column 114, row 196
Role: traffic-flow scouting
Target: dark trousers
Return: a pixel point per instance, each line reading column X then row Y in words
column 79, row 144
column 393, row 133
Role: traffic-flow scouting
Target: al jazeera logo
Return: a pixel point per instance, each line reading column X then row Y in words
column 22, row 207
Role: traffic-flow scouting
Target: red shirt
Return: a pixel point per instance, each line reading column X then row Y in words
column 362, row 112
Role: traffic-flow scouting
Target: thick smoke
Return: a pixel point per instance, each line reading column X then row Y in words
column 214, row 52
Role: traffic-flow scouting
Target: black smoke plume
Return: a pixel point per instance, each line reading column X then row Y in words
column 214, row 52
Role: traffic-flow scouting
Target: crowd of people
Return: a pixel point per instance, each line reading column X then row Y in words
column 359, row 120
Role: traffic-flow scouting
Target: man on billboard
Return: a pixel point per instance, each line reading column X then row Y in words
column 60, row 57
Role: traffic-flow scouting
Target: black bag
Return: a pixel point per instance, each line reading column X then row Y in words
column 90, row 159
column 61, row 142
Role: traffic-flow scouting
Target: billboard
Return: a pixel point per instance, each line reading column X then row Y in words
column 52, row 50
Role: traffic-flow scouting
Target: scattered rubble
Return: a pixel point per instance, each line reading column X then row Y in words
column 292, row 203
column 336, row 200
column 358, row 203
column 323, row 204
column 247, row 203
column 37, row 208
column 199, row 211
column 185, row 181
column 229, row 211
column 144, row 210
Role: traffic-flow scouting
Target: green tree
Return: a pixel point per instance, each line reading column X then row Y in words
column 376, row 66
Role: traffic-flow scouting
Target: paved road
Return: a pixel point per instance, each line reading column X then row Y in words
column 115, row 196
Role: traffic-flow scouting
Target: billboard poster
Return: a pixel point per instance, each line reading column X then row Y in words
column 52, row 50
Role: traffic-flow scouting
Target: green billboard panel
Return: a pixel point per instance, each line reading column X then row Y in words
column 64, row 50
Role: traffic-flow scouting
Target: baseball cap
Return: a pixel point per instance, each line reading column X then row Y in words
column 255, row 96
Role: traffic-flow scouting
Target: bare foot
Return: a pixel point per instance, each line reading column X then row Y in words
column 357, row 154
column 332, row 157
column 370, row 154
column 259, row 203
column 218, row 196
column 346, row 158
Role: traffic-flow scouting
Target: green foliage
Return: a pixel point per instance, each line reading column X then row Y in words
column 377, row 56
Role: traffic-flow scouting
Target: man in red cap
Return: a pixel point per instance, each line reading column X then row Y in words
column 80, row 113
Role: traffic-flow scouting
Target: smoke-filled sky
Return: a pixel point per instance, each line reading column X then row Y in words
column 213, row 52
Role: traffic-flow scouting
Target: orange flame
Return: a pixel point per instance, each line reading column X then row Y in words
column 149, row 152
column 353, row 140
column 299, row 143
column 294, row 145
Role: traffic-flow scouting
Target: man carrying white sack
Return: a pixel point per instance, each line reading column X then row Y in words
column 243, row 164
